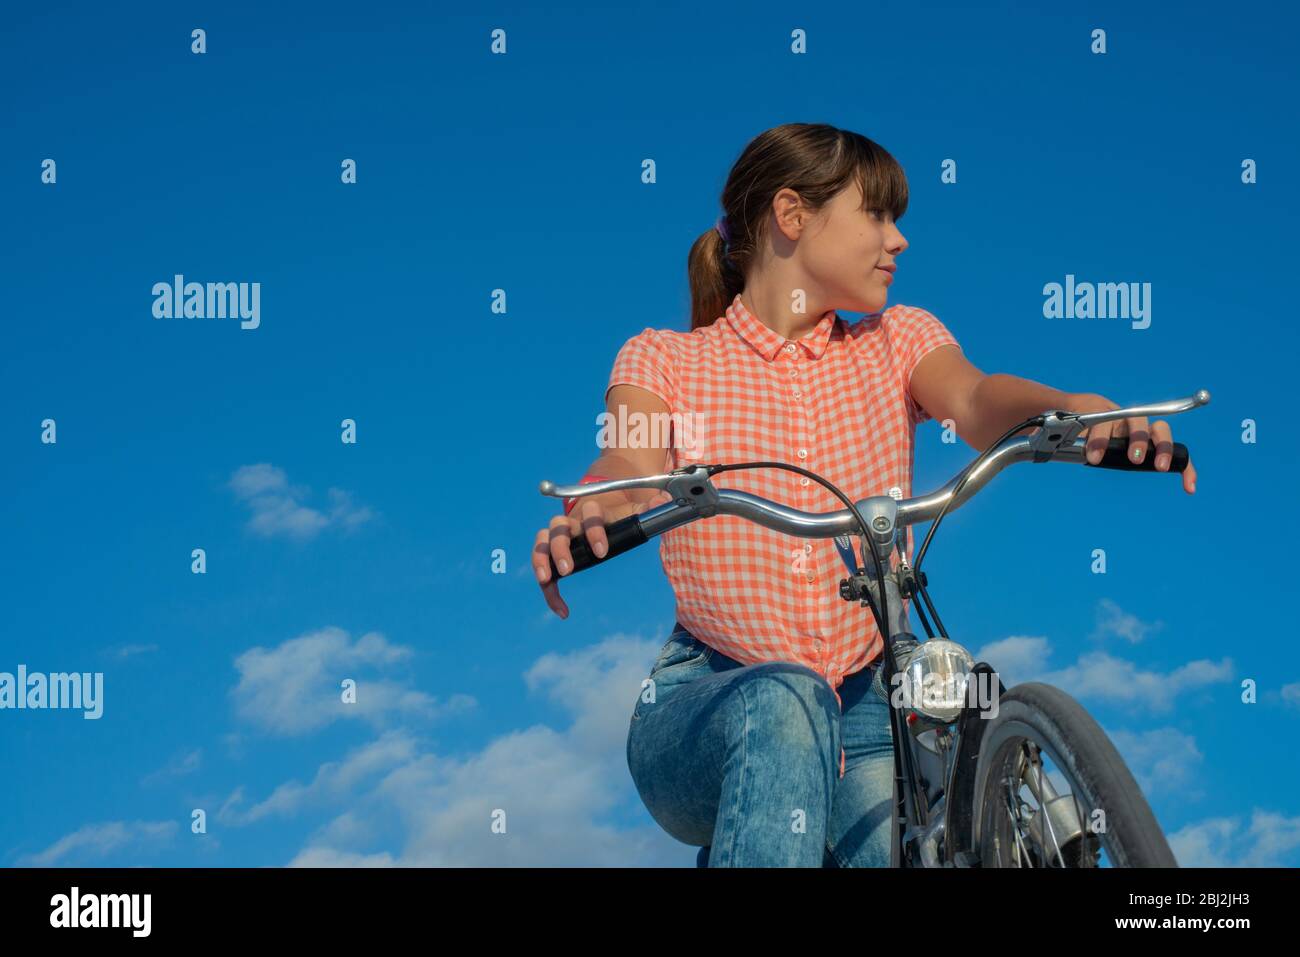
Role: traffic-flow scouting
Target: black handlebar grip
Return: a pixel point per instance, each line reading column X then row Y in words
column 624, row 535
column 1116, row 457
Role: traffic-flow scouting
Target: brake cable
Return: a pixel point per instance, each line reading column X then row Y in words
column 882, row 613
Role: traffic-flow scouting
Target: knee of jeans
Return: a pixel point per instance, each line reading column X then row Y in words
column 793, row 705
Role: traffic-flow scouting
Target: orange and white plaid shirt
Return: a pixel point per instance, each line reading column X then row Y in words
column 835, row 402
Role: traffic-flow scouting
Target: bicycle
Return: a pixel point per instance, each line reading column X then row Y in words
column 971, row 788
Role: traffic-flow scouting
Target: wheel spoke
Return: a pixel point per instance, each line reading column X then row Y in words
column 1013, row 813
column 1043, row 810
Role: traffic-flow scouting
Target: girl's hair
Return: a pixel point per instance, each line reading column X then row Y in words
column 813, row 159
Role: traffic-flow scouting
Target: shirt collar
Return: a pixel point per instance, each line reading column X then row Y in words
column 767, row 343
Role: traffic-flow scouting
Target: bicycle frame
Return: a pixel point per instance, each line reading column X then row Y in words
column 926, row 771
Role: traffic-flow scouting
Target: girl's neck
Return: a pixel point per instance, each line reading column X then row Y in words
column 772, row 309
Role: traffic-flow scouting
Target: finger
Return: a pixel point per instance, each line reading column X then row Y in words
column 561, row 532
column 1162, row 438
column 1139, row 432
column 542, row 556
column 1189, row 478
column 1098, row 438
column 592, row 518
column 551, row 592
column 542, row 566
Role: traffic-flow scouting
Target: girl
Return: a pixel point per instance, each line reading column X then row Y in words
column 762, row 737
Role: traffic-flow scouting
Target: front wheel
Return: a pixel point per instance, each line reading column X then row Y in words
column 1052, row 791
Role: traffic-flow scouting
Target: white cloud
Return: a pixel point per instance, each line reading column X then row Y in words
column 96, row 841
column 343, row 512
column 278, row 508
column 1016, row 658
column 1291, row 694
column 1113, row 620
column 180, row 765
column 332, row 781
column 348, row 830
column 126, row 651
column 597, row 686
column 296, row 687
column 325, row 857
column 1100, row 676
column 560, row 789
column 1268, row 840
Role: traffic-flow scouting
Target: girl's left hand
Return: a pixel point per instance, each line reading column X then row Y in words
column 1137, row 430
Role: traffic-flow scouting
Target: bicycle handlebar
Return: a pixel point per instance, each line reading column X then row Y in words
column 695, row 497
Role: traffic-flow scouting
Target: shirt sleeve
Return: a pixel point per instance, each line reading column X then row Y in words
column 645, row 361
column 916, row 332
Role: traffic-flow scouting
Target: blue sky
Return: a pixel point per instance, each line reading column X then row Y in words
column 522, row 172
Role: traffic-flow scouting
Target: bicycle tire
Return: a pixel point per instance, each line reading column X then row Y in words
column 1099, row 777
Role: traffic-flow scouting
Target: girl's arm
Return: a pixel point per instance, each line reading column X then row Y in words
column 983, row 406
column 624, row 403
column 948, row 386
column 592, row 513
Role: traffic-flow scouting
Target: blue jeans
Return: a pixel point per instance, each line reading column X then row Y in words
column 744, row 760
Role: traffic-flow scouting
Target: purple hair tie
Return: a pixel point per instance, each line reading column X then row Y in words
column 724, row 231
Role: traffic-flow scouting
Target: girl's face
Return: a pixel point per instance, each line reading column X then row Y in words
column 849, row 254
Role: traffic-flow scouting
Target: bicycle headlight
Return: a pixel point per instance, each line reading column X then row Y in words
column 935, row 676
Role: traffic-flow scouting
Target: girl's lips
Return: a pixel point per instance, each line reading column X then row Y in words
column 888, row 274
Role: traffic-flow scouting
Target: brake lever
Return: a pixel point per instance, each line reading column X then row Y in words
column 1056, row 428
column 689, row 486
column 1059, row 427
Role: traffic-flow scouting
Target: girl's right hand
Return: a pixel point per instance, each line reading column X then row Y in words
column 589, row 517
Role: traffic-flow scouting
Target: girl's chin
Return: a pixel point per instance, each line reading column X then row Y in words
column 872, row 301
column 875, row 303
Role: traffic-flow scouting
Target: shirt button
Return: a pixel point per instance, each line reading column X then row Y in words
column 802, row 453
column 807, row 549
column 817, row 644
column 798, row 394
column 790, row 348
column 811, row 579
column 804, row 480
